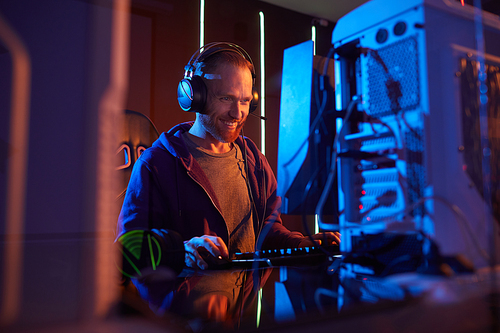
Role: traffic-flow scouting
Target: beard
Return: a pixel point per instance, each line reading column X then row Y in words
column 212, row 125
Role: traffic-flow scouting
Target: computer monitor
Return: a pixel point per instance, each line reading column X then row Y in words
column 306, row 130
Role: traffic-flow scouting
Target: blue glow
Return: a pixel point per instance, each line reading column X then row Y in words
column 294, row 112
column 483, row 99
column 338, row 87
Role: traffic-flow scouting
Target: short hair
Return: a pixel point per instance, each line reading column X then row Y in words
column 211, row 63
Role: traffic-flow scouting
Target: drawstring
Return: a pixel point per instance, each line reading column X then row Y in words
column 179, row 211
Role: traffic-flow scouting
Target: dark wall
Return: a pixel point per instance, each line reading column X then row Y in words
column 68, row 42
column 69, row 45
column 165, row 34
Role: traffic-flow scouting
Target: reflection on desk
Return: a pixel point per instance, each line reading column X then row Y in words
column 317, row 297
column 306, row 300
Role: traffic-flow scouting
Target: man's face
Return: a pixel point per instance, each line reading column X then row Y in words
column 228, row 102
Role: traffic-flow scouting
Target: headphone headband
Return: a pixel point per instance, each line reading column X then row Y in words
column 210, row 49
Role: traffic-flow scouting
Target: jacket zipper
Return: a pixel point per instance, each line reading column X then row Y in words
column 213, row 203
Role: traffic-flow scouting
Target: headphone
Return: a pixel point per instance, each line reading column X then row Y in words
column 149, row 249
column 192, row 91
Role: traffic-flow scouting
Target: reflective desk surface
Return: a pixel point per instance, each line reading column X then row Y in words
column 309, row 298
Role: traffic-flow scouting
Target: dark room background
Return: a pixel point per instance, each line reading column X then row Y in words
column 60, row 271
column 164, row 35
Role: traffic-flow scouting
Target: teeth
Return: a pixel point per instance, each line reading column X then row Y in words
column 232, row 123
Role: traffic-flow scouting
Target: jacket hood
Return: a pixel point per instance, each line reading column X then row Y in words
column 173, row 143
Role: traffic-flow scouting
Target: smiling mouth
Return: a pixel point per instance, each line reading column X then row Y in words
column 233, row 124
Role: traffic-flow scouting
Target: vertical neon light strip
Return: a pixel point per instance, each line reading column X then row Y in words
column 262, row 124
column 202, row 23
column 313, row 37
column 262, row 86
column 259, row 306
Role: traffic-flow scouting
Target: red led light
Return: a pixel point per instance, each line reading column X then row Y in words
column 363, row 192
column 463, row 2
column 360, row 207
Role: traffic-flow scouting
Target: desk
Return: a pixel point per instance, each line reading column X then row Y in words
column 306, row 300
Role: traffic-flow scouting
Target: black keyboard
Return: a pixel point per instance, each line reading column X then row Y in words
column 303, row 256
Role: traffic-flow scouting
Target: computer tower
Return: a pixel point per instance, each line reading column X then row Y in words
column 418, row 157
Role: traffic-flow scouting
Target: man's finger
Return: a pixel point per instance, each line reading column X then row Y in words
column 219, row 244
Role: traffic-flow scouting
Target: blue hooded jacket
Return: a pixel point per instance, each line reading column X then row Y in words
column 169, row 190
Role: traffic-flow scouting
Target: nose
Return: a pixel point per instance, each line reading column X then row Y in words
column 238, row 110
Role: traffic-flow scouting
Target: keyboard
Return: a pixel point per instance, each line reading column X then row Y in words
column 302, row 256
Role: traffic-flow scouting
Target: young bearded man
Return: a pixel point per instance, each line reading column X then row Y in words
column 206, row 182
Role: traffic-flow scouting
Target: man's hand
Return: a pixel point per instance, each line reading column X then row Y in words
column 330, row 238
column 214, row 245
